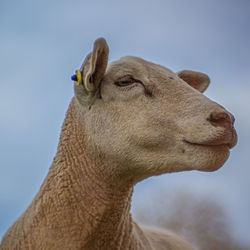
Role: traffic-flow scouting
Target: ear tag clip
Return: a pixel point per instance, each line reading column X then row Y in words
column 77, row 77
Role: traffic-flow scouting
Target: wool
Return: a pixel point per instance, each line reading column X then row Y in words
column 116, row 134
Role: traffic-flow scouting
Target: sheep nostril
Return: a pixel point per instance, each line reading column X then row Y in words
column 222, row 119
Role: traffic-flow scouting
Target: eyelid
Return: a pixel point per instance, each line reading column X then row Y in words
column 133, row 80
column 126, row 78
column 126, row 81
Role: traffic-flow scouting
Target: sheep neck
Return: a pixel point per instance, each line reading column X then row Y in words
column 81, row 197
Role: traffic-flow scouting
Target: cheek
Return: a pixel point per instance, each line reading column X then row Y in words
column 106, row 135
column 151, row 138
column 150, row 131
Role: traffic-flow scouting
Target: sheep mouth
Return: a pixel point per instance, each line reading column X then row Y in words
column 210, row 145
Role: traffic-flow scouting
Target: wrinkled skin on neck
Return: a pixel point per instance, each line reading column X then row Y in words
column 81, row 204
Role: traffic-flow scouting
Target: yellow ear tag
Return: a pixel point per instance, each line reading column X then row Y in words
column 79, row 77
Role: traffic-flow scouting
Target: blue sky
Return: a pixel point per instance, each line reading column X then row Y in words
column 43, row 42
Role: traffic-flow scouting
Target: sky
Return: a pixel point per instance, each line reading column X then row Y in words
column 44, row 42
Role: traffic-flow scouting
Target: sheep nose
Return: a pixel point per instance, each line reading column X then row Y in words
column 222, row 119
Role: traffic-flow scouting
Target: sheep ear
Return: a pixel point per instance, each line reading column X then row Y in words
column 94, row 66
column 196, row 80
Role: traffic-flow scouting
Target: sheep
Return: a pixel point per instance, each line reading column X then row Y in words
column 128, row 120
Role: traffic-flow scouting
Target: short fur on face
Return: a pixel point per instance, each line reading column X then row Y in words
column 147, row 120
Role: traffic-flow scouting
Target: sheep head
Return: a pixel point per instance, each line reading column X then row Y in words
column 147, row 120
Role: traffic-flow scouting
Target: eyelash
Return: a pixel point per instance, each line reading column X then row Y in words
column 129, row 82
column 126, row 83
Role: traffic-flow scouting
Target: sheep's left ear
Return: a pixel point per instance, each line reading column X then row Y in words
column 92, row 72
column 95, row 65
column 196, row 80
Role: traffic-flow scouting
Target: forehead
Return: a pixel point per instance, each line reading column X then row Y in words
column 137, row 67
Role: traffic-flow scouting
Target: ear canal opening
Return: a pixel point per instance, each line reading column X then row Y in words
column 88, row 83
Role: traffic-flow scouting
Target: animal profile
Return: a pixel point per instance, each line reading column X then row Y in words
column 128, row 120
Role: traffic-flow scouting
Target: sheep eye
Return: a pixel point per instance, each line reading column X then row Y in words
column 124, row 83
column 128, row 80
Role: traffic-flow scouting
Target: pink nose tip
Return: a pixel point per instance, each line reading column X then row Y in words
column 222, row 119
